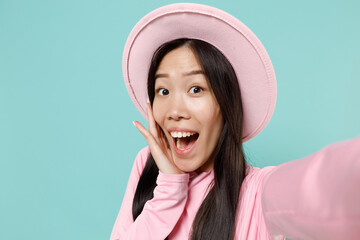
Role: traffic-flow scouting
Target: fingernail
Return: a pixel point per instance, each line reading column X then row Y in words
column 134, row 123
column 147, row 100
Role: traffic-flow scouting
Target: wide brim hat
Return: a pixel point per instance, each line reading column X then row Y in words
column 236, row 41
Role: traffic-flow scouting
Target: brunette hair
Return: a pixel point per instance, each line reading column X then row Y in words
column 216, row 216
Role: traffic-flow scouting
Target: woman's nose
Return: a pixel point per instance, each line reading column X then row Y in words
column 177, row 109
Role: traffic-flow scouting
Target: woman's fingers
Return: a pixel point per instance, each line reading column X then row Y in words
column 152, row 124
column 147, row 135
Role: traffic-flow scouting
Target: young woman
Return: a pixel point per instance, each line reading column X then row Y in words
column 193, row 182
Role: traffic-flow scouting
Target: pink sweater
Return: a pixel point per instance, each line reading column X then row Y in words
column 317, row 197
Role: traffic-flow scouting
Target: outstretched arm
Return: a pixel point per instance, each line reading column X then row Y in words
column 317, row 197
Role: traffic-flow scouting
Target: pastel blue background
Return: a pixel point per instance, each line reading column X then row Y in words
column 66, row 136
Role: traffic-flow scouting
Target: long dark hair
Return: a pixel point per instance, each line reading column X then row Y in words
column 215, row 218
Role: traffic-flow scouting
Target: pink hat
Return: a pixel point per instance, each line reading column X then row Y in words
column 240, row 46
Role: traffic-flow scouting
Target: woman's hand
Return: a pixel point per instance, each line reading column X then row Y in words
column 158, row 145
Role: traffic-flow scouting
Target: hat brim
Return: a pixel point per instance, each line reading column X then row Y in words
column 237, row 42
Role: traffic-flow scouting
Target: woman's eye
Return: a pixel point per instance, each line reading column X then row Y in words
column 195, row 89
column 163, row 91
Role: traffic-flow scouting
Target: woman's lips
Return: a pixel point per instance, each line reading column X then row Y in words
column 180, row 129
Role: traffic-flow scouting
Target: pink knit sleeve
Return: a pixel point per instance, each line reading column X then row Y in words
column 317, row 197
column 160, row 214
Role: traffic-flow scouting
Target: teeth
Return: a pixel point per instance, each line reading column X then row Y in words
column 181, row 134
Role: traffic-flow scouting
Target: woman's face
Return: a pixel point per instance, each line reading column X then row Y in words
column 187, row 111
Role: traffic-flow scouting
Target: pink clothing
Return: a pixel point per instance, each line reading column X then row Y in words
column 316, row 197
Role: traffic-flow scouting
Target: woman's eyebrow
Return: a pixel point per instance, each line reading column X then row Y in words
column 193, row 72
column 161, row 75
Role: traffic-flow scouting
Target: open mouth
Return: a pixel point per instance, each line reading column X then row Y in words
column 184, row 140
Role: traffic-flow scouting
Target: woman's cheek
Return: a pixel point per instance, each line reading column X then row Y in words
column 157, row 113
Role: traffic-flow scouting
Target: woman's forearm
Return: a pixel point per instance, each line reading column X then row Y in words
column 317, row 197
column 160, row 214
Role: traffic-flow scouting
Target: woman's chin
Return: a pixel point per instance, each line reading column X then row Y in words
column 187, row 165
